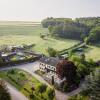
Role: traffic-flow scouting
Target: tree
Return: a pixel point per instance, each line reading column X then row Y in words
column 66, row 69
column 81, row 70
column 70, row 53
column 86, row 40
column 41, row 88
column 52, row 52
column 82, row 57
column 83, row 67
column 52, row 80
column 50, row 28
column 4, row 94
column 91, row 87
column 66, row 28
column 42, row 36
column 94, row 35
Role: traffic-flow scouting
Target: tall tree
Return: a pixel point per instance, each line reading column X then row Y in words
column 66, row 69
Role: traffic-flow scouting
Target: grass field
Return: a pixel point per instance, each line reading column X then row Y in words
column 21, row 28
column 93, row 53
column 12, row 33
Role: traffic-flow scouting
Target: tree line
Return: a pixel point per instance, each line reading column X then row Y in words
column 85, row 29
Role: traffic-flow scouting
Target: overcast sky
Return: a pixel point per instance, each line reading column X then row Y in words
column 40, row 9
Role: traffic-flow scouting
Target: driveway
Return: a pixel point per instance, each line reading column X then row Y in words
column 15, row 94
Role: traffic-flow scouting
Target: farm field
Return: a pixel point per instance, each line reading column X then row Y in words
column 21, row 28
column 12, row 33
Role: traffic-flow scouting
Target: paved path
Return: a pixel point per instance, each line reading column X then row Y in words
column 15, row 94
column 31, row 67
column 64, row 96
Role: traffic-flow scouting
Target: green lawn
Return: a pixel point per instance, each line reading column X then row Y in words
column 23, row 81
column 93, row 53
column 12, row 33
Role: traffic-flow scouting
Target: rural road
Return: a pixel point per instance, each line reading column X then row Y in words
column 31, row 67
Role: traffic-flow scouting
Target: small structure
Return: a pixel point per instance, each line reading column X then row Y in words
column 6, row 56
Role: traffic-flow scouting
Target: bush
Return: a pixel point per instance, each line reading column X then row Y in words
column 41, row 88
column 12, row 71
column 65, row 87
column 78, row 97
column 52, row 52
column 31, row 96
column 22, row 74
column 50, row 93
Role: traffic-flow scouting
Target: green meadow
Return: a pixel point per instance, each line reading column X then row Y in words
column 93, row 53
column 15, row 33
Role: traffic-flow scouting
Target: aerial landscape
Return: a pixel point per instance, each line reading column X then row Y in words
column 49, row 50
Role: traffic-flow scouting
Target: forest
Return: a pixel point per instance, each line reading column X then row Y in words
column 85, row 29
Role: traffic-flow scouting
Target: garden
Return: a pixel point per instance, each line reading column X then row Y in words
column 28, row 85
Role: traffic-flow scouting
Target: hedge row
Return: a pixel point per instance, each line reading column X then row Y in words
column 71, row 48
column 13, row 80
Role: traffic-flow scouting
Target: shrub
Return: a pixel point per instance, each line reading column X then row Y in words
column 41, row 88
column 52, row 52
column 31, row 96
column 78, row 97
column 22, row 74
column 50, row 93
column 65, row 87
column 12, row 71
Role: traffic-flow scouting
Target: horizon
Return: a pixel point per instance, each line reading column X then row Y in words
column 36, row 10
column 37, row 21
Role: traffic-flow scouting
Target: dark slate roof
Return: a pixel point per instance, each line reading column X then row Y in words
column 50, row 60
